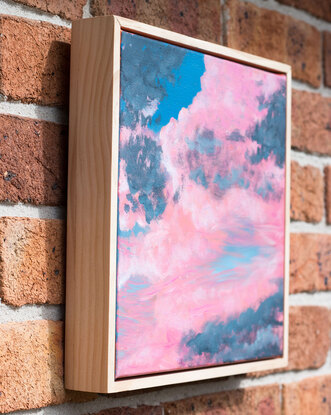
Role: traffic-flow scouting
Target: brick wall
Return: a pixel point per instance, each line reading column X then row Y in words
column 34, row 80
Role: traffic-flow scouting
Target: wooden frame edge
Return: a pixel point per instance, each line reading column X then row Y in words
column 87, row 314
column 114, row 203
column 192, row 375
column 287, row 208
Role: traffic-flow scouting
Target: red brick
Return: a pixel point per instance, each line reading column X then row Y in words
column 327, row 58
column 275, row 36
column 33, row 162
column 307, row 397
column 327, row 175
column 307, row 193
column 318, row 8
column 309, row 339
column 310, row 263
column 31, row 370
column 263, row 400
column 141, row 410
column 311, row 122
column 34, row 61
column 32, row 261
column 197, row 18
column 70, row 10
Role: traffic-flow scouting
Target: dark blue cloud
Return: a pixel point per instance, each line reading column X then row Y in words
column 204, row 142
column 235, row 136
column 270, row 132
column 146, row 178
column 248, row 337
column 235, row 178
column 155, row 70
column 198, row 175
column 145, row 64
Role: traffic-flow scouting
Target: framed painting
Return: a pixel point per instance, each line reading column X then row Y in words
column 178, row 209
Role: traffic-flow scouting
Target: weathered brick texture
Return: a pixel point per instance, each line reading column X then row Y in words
column 327, row 175
column 197, row 18
column 310, row 262
column 275, row 36
column 250, row 401
column 31, row 365
column 327, row 59
column 31, row 370
column 307, row 193
column 309, row 337
column 311, row 122
column 34, row 61
column 68, row 9
column 307, row 397
column 32, row 261
column 33, row 161
column 318, row 8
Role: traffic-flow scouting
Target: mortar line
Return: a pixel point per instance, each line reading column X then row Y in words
column 310, row 159
column 298, row 14
column 87, row 10
column 305, row 227
column 302, row 86
column 9, row 7
column 37, row 112
column 30, row 211
column 318, row 298
column 30, row 312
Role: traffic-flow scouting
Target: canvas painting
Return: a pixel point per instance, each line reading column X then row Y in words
column 201, row 210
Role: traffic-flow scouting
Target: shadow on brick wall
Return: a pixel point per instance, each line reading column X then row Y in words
column 55, row 93
column 56, row 75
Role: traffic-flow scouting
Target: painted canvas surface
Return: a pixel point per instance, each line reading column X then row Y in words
column 201, row 197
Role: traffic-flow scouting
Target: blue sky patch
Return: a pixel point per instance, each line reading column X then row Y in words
column 179, row 91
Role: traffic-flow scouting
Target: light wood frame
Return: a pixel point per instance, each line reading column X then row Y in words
column 92, row 207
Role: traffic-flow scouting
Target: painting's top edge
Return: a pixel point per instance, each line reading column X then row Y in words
column 197, row 44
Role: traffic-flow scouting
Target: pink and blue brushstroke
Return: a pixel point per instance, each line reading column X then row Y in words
column 201, row 210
